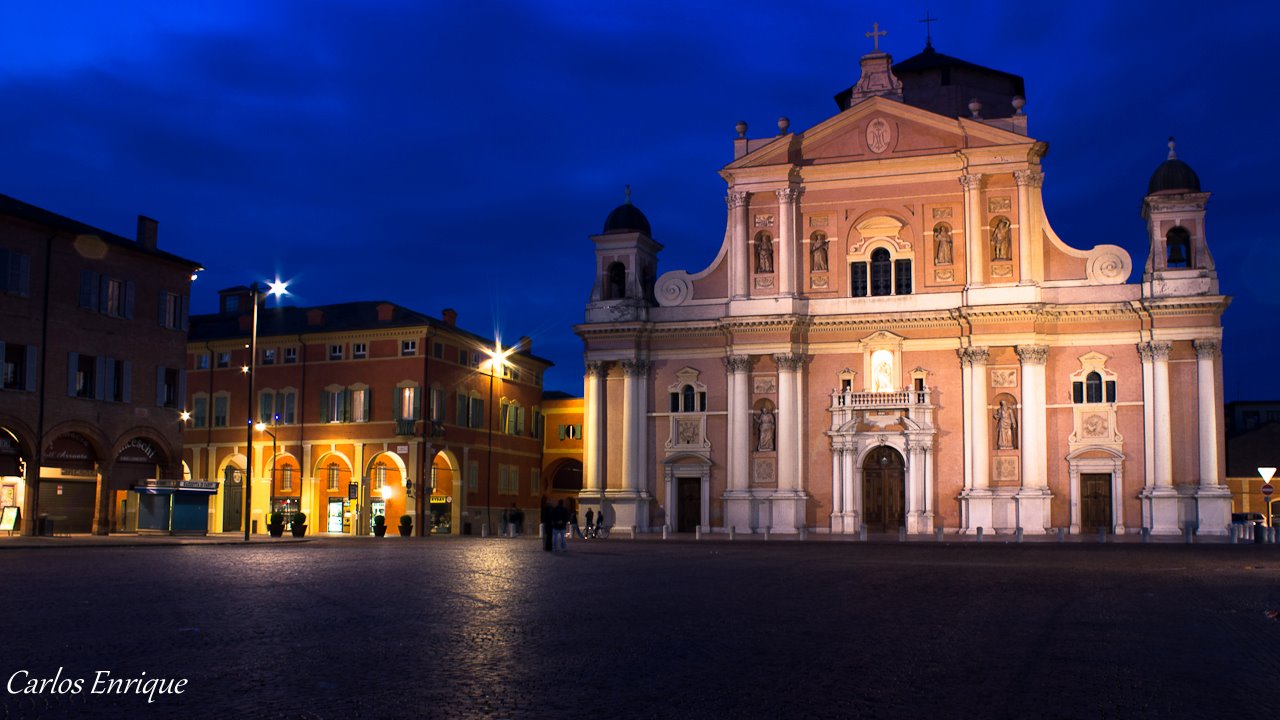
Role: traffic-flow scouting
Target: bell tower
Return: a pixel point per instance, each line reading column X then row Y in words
column 626, row 267
column 1179, row 263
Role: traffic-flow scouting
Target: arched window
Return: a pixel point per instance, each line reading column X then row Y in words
column 617, row 287
column 1178, row 244
column 686, row 398
column 1093, row 387
column 380, row 474
column 333, row 476
column 881, row 272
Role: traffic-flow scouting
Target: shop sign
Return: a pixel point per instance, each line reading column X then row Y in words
column 440, row 498
column 204, row 485
column 69, row 448
column 137, row 450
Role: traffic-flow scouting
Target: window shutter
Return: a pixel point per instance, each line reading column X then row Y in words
column 128, row 299
column 111, row 389
column 6, row 270
column 902, row 277
column 461, row 419
column 183, row 300
column 99, row 378
column 128, row 381
column 161, row 307
column 326, row 400
column 417, row 403
column 159, row 387
column 1077, row 392
column 73, row 362
column 561, row 432
column 31, row 368
column 345, row 410
column 858, row 279
column 89, row 289
column 367, row 395
column 104, row 283
column 1111, row 391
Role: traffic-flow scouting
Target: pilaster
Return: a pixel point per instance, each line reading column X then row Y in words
column 739, row 255
column 1028, row 230
column 787, row 258
column 1213, row 500
column 1034, row 495
column 973, row 261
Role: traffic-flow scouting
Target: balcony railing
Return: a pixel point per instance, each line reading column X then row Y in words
column 405, row 426
column 894, row 399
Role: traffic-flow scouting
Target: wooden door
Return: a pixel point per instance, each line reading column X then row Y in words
column 688, row 504
column 1095, row 502
column 883, row 490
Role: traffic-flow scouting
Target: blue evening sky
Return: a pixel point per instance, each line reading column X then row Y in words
column 460, row 154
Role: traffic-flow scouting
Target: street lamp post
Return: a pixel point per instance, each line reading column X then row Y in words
column 497, row 358
column 276, row 288
column 262, row 427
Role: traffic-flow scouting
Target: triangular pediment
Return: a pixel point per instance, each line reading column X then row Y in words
column 879, row 129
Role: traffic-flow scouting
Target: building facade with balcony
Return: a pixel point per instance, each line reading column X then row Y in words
column 92, row 340
column 367, row 408
column 893, row 336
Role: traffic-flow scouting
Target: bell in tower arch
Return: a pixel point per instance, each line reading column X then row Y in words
column 1178, row 241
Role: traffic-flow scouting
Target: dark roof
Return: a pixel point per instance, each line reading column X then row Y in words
column 558, row 395
column 1250, row 450
column 340, row 317
column 627, row 218
column 1173, row 175
column 931, row 59
column 40, row 216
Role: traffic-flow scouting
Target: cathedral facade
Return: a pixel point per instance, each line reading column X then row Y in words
column 892, row 336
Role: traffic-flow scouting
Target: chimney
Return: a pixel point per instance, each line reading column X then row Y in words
column 385, row 311
column 525, row 344
column 148, row 230
column 315, row 317
column 450, row 317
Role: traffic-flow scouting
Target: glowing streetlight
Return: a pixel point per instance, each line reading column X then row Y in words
column 497, row 360
column 277, row 288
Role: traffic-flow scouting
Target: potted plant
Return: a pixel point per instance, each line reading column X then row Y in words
column 406, row 525
column 379, row 526
column 299, row 524
column 275, row 524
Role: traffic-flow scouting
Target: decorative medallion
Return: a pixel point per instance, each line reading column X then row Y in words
column 764, row 220
column 1001, row 271
column 943, row 213
column 764, row 282
column 1095, row 426
column 764, row 386
column 688, row 432
column 818, row 281
column 998, row 204
column 878, row 135
column 1006, row 469
column 944, row 275
column 762, row 472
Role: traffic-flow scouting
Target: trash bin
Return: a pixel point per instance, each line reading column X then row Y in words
column 1259, row 534
column 44, row 526
column 255, row 527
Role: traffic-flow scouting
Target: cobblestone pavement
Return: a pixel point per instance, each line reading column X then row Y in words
column 470, row 627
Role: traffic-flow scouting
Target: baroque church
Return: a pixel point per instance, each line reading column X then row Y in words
column 892, row 336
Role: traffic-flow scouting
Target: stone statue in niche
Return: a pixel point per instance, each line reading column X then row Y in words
column 818, row 253
column 1001, row 239
column 765, row 427
column 1006, row 427
column 764, row 253
column 941, row 244
column 882, row 380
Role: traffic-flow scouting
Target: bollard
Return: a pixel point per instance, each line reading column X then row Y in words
column 766, row 533
column 1102, row 535
column 1146, row 535
column 937, row 535
column 1018, row 535
column 902, row 534
column 804, row 532
column 1186, row 532
column 542, row 530
column 733, row 530
column 1233, row 537
column 484, row 530
column 862, row 533
column 1062, row 535
column 696, row 532
column 979, row 533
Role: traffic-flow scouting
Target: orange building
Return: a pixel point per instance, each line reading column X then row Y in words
column 562, row 445
column 92, row 330
column 367, row 408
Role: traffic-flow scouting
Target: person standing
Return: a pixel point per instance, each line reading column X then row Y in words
column 559, row 521
column 573, row 523
column 590, row 523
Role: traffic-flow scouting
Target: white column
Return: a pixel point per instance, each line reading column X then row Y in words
column 972, row 228
column 837, row 490
column 739, row 440
column 739, row 257
column 787, row 260
column 630, row 428
column 1148, row 417
column 1033, row 420
column 594, row 413
column 966, row 402
column 1163, row 434
column 1206, row 353
column 929, row 504
column 1028, row 232
column 787, row 424
column 981, row 443
column 853, row 515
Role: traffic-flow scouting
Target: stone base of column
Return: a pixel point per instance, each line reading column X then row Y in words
column 630, row 509
column 976, row 505
column 1213, row 508
column 788, row 512
column 742, row 512
column 1033, row 510
column 1162, row 510
column 917, row 524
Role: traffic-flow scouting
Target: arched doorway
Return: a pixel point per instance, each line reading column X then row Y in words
column 883, row 490
column 336, row 492
column 68, row 482
column 443, row 500
column 232, row 477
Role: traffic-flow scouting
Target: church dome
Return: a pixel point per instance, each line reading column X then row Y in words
column 1173, row 175
column 627, row 218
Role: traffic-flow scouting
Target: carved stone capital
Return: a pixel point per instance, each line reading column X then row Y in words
column 1033, row 178
column 636, row 368
column 787, row 195
column 971, row 182
column 974, row 356
column 1032, row 354
column 738, row 363
column 1206, row 348
column 596, row 368
column 736, row 199
column 789, row 362
column 1160, row 350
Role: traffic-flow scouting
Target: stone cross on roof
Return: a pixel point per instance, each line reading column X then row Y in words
column 875, row 35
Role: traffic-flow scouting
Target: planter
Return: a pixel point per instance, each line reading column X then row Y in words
column 276, row 530
column 380, row 530
column 299, row 530
column 406, row 531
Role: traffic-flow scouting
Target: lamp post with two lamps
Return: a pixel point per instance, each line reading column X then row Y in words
column 497, row 360
column 277, row 288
